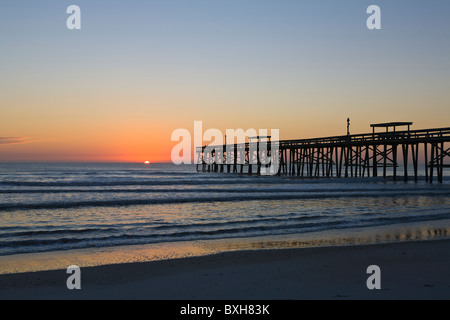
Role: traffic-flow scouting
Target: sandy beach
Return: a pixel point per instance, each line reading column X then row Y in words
column 409, row 270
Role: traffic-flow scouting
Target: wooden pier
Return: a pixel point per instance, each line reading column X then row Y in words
column 360, row 155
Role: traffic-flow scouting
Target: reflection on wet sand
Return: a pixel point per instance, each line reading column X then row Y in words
column 434, row 230
column 383, row 235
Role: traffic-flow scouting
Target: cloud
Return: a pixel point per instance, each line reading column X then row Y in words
column 11, row 140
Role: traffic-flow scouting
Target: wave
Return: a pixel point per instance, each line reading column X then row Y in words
column 210, row 179
column 174, row 236
column 216, row 190
column 158, row 182
column 243, row 196
column 148, row 227
column 33, row 233
column 66, row 243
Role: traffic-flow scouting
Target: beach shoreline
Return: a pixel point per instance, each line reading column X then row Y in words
column 409, row 270
column 89, row 257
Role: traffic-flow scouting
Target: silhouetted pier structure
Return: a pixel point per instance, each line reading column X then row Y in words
column 359, row 155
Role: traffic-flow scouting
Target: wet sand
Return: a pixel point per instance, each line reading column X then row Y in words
column 409, row 270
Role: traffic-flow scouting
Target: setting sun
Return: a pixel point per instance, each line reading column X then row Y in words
column 147, row 162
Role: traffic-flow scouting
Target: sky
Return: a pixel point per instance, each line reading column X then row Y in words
column 137, row 70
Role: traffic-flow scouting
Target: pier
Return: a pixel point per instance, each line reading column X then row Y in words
column 358, row 155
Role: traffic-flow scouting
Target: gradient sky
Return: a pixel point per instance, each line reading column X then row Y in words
column 137, row 70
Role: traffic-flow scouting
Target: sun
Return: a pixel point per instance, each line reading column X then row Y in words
column 147, row 162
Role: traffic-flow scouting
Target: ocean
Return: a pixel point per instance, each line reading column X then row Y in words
column 47, row 207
